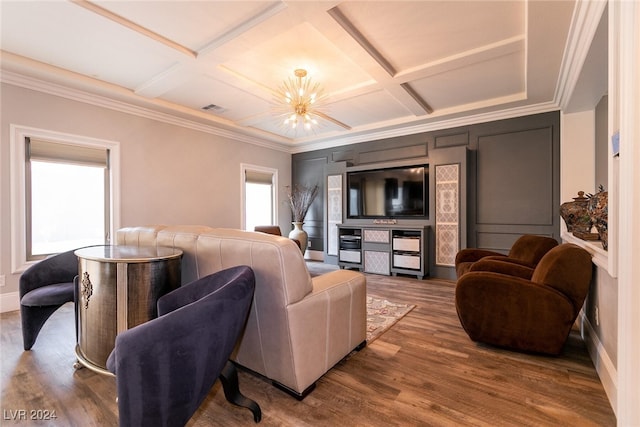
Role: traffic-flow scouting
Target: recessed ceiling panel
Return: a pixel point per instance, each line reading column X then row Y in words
column 367, row 109
column 411, row 34
column 234, row 104
column 501, row 77
column 302, row 46
column 70, row 37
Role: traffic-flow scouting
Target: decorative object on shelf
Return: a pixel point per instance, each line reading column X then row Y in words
column 300, row 199
column 586, row 236
column 599, row 213
column 576, row 215
column 385, row 221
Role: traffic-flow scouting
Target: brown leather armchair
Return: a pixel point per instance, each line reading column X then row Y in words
column 272, row 229
column 269, row 229
column 533, row 315
column 526, row 251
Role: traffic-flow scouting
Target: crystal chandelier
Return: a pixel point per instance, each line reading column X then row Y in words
column 299, row 99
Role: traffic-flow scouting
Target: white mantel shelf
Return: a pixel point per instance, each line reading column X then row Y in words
column 600, row 256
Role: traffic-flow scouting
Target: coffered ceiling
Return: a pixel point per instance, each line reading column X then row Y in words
column 387, row 67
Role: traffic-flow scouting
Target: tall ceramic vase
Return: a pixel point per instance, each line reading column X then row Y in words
column 300, row 235
column 576, row 214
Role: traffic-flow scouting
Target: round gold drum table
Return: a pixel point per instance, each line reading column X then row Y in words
column 117, row 289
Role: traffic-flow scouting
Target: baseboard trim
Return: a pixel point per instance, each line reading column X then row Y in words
column 604, row 366
column 9, row 301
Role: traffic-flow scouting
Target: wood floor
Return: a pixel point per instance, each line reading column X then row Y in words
column 424, row 371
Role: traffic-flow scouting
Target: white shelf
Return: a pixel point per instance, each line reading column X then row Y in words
column 600, row 256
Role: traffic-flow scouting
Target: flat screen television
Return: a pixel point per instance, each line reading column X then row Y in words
column 399, row 192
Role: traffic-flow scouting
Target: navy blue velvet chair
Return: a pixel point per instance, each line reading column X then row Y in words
column 44, row 287
column 165, row 367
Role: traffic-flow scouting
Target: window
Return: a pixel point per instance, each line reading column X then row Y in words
column 65, row 193
column 67, row 197
column 258, row 196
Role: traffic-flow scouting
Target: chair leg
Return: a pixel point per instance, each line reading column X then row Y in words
column 229, row 379
column 33, row 319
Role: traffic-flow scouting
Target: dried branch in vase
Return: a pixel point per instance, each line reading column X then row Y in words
column 300, row 199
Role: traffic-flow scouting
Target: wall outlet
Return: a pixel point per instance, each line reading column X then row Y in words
column 309, row 244
column 2, row 280
column 597, row 317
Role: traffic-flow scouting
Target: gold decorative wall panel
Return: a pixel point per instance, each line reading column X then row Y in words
column 447, row 213
column 334, row 212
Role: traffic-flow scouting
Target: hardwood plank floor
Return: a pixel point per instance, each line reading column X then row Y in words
column 424, row 371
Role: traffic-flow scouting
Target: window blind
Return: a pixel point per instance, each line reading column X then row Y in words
column 60, row 152
column 256, row 177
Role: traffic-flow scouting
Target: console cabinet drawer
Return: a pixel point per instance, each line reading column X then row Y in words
column 406, row 261
column 350, row 256
column 411, row 244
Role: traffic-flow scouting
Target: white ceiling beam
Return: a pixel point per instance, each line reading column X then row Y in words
column 135, row 27
column 243, row 27
column 413, row 102
column 344, row 22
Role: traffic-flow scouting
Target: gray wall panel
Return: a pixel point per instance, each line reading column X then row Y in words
column 310, row 171
column 515, row 178
column 510, row 182
column 396, row 153
column 500, row 242
column 453, row 140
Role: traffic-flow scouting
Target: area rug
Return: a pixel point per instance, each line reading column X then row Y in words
column 382, row 314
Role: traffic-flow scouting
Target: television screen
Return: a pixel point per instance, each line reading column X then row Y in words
column 394, row 193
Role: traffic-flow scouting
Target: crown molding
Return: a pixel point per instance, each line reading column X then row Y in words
column 584, row 24
column 54, row 89
column 285, row 145
column 465, row 120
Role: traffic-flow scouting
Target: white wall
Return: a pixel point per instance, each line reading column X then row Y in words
column 599, row 318
column 169, row 174
column 577, row 154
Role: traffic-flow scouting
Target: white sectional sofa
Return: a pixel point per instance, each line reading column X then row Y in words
column 299, row 327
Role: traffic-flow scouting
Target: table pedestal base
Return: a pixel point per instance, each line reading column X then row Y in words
column 82, row 362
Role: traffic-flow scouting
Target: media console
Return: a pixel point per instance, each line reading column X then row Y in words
column 384, row 249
